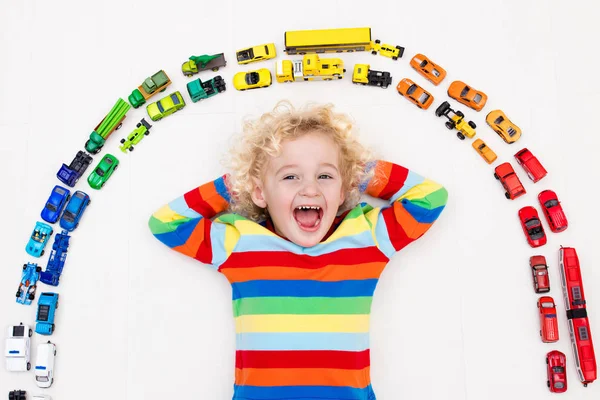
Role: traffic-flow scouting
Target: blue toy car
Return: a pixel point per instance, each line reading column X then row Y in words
column 57, row 200
column 74, row 210
column 47, row 305
column 69, row 175
column 57, row 259
column 40, row 236
column 28, row 285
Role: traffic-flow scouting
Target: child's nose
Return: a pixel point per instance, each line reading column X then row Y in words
column 310, row 189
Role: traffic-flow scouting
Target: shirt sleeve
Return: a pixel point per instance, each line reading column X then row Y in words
column 185, row 224
column 415, row 204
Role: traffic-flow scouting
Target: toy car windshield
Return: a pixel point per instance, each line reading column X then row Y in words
column 477, row 98
column 175, row 99
column 252, row 78
column 559, row 385
column 499, row 120
column 80, row 196
column 51, row 207
column 551, row 203
column 541, row 272
column 435, row 73
column 69, row 216
column 160, row 107
column 424, row 97
column 41, row 378
column 558, row 370
column 411, row 89
column 36, row 236
column 464, row 92
column 547, row 304
column 99, row 172
column 536, row 233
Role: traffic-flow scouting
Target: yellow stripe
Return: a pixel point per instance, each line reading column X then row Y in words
column 421, row 190
column 166, row 214
column 373, row 216
column 348, row 227
column 247, row 227
column 302, row 323
column 232, row 236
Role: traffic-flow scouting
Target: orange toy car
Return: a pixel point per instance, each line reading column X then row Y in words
column 428, row 69
column 415, row 93
column 466, row 95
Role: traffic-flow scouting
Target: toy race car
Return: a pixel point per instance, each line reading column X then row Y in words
column 74, row 210
column 387, row 50
column 141, row 129
column 39, row 237
column 365, row 76
column 28, row 284
column 44, row 364
column 69, row 175
column 484, row 151
column 539, row 270
column 199, row 90
column 47, row 306
column 510, row 181
column 532, row 226
column 18, row 348
column 57, row 259
column 203, row 63
column 534, row 169
column 457, row 121
column 503, row 126
column 466, row 95
column 556, row 364
column 57, row 200
column 414, row 93
column 428, row 69
column 553, row 211
column 103, row 171
column 548, row 320
column 260, row 78
column 256, row 53
column 166, row 106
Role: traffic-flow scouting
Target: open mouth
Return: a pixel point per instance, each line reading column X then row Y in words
column 308, row 217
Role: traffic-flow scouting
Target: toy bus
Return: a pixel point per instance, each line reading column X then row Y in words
column 328, row 41
column 577, row 319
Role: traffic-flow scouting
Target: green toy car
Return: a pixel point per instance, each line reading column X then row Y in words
column 103, row 171
column 165, row 106
column 142, row 129
column 199, row 90
column 203, row 63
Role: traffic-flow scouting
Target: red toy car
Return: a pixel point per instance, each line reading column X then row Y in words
column 548, row 320
column 513, row 186
column 532, row 226
column 535, row 170
column 539, row 269
column 557, row 376
column 553, row 211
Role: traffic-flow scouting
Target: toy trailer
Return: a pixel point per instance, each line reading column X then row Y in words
column 56, row 262
column 69, row 175
column 203, row 63
column 155, row 84
column 110, row 123
column 199, row 90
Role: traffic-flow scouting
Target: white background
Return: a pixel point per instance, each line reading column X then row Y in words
column 454, row 315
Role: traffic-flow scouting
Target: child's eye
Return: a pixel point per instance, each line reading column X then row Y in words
column 289, row 177
column 325, row 176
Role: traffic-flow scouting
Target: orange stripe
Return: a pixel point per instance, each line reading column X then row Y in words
column 210, row 195
column 330, row 273
column 190, row 248
column 408, row 222
column 380, row 178
column 356, row 378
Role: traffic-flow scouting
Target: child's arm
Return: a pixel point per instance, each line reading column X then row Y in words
column 185, row 223
column 415, row 204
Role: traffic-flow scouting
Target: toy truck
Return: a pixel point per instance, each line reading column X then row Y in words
column 364, row 75
column 47, row 305
column 110, row 123
column 203, row 63
column 456, row 121
column 310, row 68
column 69, row 175
column 155, row 84
column 18, row 348
column 56, row 262
column 199, row 90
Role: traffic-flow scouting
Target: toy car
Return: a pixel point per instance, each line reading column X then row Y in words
column 18, row 348
column 532, row 226
column 165, row 106
column 203, row 63
column 553, row 211
column 387, row 50
column 39, row 237
column 364, row 75
column 548, row 320
column 74, row 211
column 141, row 129
column 199, row 90
column 484, row 151
column 256, row 53
column 103, row 171
column 252, row 79
column 47, row 306
column 428, row 69
column 534, row 169
column 414, row 93
column 510, row 181
column 466, row 95
column 151, row 86
column 57, row 200
column 69, row 175
column 556, row 364
column 539, row 270
column 28, row 284
column 457, row 121
column 503, row 126
column 17, row 395
column 44, row 364
column 57, row 259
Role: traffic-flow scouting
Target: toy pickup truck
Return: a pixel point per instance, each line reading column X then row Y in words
column 47, row 305
column 56, row 262
column 203, row 63
column 69, row 175
column 199, row 90
column 155, row 84
column 110, row 123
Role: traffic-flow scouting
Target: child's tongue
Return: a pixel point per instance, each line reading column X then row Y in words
column 306, row 218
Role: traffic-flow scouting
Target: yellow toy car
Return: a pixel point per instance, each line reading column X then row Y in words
column 252, row 79
column 256, row 53
column 485, row 152
column 503, row 126
column 456, row 121
column 387, row 50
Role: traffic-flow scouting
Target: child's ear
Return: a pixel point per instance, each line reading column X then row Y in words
column 342, row 196
column 257, row 194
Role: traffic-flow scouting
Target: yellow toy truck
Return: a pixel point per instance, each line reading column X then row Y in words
column 310, row 68
column 456, row 121
column 364, row 75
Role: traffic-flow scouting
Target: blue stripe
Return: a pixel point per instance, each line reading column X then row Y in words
column 412, row 180
column 13, row 352
column 222, row 189
column 180, row 235
column 180, row 206
column 422, row 214
column 40, row 367
column 303, row 288
column 303, row 341
column 383, row 236
column 217, row 244
column 301, row 392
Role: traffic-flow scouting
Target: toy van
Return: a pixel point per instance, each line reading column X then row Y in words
column 18, row 348
column 44, row 364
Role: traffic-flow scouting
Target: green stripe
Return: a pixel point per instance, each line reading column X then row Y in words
column 302, row 305
column 438, row 198
column 158, row 227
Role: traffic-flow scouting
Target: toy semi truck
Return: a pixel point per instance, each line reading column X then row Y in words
column 364, row 75
column 69, row 175
column 199, row 90
column 110, row 123
column 57, row 259
column 203, row 63
column 151, row 86
column 310, row 68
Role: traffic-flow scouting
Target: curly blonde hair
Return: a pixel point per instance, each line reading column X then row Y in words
column 263, row 137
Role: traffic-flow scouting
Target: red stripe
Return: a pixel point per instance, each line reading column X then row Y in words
column 397, row 235
column 397, row 178
column 194, row 200
column 204, row 252
column 250, row 259
column 301, row 359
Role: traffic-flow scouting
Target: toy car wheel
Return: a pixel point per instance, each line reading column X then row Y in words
column 394, row 58
column 88, row 202
column 38, row 269
column 102, row 185
column 496, row 176
column 119, row 126
column 449, row 125
column 24, row 267
column 374, row 52
column 76, row 225
column 460, row 135
column 122, row 140
column 18, row 293
column 54, row 351
column 399, row 47
column 28, row 366
column 377, row 41
column 546, row 360
column 548, row 383
column 30, row 332
column 508, row 197
column 42, row 253
column 52, row 328
column 460, row 114
column 472, row 125
column 441, row 110
column 147, row 132
column 138, row 125
column 31, row 296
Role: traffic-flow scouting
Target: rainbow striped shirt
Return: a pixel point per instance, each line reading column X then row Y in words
column 302, row 313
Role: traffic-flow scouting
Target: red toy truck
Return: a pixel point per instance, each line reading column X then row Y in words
column 510, row 181
column 539, row 270
column 548, row 320
column 535, row 170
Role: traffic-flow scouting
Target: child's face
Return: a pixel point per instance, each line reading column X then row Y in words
column 302, row 188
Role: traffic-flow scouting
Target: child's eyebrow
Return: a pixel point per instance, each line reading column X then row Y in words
column 290, row 166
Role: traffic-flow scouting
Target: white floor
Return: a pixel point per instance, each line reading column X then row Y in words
column 454, row 316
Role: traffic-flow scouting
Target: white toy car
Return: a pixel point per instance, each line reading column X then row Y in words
column 44, row 364
column 18, row 347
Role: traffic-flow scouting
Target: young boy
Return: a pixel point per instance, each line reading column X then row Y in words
column 302, row 272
